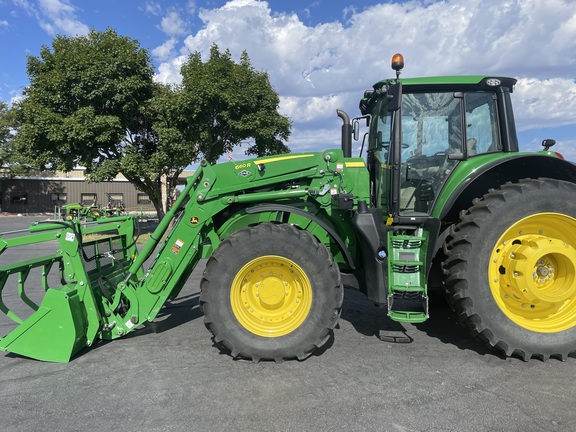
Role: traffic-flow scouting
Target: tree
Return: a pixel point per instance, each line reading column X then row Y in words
column 159, row 148
column 4, row 133
column 8, row 165
column 227, row 104
column 92, row 102
column 84, row 107
column 84, row 97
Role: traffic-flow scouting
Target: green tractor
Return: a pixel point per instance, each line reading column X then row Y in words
column 75, row 211
column 441, row 198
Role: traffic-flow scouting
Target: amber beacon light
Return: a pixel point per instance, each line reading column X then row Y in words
column 397, row 63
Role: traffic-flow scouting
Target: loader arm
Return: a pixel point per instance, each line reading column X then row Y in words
column 102, row 288
column 193, row 234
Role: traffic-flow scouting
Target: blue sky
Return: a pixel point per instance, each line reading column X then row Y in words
column 321, row 55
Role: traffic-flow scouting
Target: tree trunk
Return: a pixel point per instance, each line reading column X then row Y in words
column 158, row 205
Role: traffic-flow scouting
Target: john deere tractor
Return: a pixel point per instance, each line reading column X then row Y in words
column 81, row 211
column 440, row 197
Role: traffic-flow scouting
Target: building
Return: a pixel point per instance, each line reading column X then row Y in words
column 46, row 191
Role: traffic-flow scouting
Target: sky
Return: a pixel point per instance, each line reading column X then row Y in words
column 321, row 55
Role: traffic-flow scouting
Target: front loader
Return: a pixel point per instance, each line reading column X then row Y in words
column 441, row 198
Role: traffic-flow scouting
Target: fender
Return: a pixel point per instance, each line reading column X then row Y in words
column 263, row 208
column 479, row 179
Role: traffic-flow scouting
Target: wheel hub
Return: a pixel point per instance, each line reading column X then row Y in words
column 271, row 292
column 532, row 272
column 543, row 271
column 271, row 296
column 529, row 268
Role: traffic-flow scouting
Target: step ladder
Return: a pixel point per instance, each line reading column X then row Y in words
column 407, row 289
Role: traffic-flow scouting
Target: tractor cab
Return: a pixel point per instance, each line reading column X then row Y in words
column 420, row 129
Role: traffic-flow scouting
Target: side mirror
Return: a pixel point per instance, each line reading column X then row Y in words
column 356, row 126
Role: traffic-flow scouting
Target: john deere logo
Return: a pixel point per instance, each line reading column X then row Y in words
column 194, row 220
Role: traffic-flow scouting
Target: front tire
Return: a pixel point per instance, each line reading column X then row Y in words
column 271, row 292
column 511, row 268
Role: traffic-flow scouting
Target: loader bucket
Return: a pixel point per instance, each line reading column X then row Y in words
column 55, row 332
column 55, row 304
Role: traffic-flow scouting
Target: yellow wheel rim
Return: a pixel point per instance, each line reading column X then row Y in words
column 271, row 296
column 532, row 272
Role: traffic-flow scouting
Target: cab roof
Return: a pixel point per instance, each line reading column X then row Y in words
column 478, row 82
column 438, row 84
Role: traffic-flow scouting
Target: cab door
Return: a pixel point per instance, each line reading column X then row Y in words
column 431, row 131
column 379, row 155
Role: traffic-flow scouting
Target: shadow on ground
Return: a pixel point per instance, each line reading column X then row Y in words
column 372, row 321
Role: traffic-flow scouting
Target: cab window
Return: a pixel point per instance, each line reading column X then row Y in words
column 482, row 134
column 378, row 153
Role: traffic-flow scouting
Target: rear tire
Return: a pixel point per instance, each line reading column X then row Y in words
column 511, row 268
column 271, row 292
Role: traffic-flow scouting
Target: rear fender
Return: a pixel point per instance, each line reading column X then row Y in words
column 470, row 181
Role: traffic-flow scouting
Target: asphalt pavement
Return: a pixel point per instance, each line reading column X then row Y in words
column 168, row 376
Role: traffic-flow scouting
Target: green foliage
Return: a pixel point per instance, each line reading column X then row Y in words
column 92, row 102
column 8, row 165
column 4, row 133
column 4, row 124
column 86, row 106
column 226, row 104
column 83, row 98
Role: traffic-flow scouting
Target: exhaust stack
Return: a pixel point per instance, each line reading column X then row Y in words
column 346, row 133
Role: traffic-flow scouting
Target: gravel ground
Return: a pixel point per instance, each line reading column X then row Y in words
column 168, row 376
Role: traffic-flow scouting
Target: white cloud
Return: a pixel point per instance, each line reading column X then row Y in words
column 567, row 148
column 16, row 99
column 153, row 8
column 169, row 72
column 55, row 16
column 3, row 23
column 314, row 68
column 307, row 109
column 165, row 50
column 191, row 7
column 315, row 139
column 172, row 24
column 62, row 17
column 544, row 102
column 56, row 7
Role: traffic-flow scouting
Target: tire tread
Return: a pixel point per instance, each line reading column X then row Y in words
column 457, row 249
column 235, row 242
